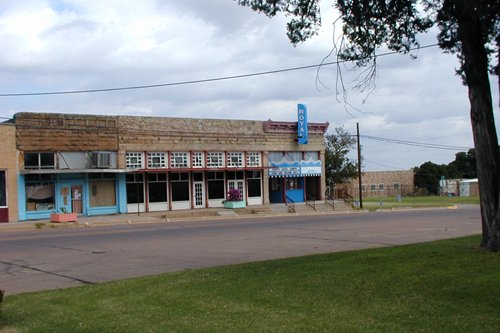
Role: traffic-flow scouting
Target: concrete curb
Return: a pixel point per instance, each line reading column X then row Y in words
column 147, row 218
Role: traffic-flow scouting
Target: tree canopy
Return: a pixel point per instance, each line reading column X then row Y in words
column 468, row 28
column 428, row 174
column 339, row 168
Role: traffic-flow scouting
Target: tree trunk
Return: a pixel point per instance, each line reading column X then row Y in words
column 482, row 119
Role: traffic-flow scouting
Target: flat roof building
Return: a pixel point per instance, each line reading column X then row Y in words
column 92, row 164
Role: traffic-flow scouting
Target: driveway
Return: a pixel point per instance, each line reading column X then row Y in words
column 32, row 260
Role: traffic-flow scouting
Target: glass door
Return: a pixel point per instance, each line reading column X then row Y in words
column 198, row 190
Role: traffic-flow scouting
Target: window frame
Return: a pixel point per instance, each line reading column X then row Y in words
column 198, row 159
column 184, row 160
column 138, row 164
column 235, row 159
column 39, row 164
column 162, row 164
column 215, row 159
column 254, row 159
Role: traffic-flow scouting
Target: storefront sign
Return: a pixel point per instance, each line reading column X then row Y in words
column 295, row 169
column 302, row 124
column 310, row 168
column 285, row 170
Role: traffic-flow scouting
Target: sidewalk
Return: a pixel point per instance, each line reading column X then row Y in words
column 162, row 217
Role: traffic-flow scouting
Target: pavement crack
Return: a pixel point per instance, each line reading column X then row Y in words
column 78, row 250
column 47, row 272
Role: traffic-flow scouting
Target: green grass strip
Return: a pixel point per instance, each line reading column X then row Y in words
column 373, row 203
column 444, row 286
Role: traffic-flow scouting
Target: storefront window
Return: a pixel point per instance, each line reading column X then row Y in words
column 157, row 187
column 215, row 182
column 253, row 181
column 102, row 193
column 180, row 186
column 102, row 189
column 235, row 175
column 40, row 192
column 135, row 188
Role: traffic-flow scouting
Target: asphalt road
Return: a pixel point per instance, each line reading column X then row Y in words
column 32, row 260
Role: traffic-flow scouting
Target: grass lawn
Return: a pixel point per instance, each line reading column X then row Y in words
column 374, row 203
column 444, row 286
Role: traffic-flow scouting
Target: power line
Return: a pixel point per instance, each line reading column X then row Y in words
column 223, row 78
column 416, row 144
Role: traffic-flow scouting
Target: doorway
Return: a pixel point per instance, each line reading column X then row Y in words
column 198, row 190
column 70, row 197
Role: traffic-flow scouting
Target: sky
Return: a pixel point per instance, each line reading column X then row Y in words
column 68, row 45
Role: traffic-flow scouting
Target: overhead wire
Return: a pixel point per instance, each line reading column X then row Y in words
column 414, row 143
column 197, row 81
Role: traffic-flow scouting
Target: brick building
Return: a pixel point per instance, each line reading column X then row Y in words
column 382, row 183
column 8, row 173
column 94, row 165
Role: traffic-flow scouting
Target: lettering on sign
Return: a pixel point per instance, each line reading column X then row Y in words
column 302, row 124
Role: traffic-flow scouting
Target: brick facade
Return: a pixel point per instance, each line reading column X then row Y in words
column 383, row 183
column 65, row 132
column 9, row 166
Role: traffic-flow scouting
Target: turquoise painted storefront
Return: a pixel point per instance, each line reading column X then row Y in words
column 70, row 192
column 288, row 179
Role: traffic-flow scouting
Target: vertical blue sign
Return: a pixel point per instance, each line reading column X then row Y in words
column 302, row 124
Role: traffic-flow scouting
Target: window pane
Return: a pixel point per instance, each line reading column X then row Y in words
column 312, row 155
column 40, row 196
column 31, row 160
column 275, row 156
column 102, row 193
column 3, row 190
column 180, row 191
column 135, row 193
column 216, row 189
column 47, row 160
column 157, row 192
column 254, row 187
column 294, row 155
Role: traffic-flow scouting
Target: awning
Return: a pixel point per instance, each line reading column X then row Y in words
column 309, row 168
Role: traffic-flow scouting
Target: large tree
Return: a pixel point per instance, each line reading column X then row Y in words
column 427, row 177
column 339, row 167
column 468, row 28
column 464, row 165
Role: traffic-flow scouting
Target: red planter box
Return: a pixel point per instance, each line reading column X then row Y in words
column 63, row 217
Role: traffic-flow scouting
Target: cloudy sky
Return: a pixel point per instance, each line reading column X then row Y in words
column 67, row 45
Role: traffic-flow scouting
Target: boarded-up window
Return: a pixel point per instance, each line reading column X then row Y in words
column 102, row 193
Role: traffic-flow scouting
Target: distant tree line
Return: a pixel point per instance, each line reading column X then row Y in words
column 428, row 174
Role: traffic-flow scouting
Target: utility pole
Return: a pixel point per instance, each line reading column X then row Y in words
column 359, row 168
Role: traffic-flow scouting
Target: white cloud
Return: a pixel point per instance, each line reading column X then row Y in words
column 78, row 44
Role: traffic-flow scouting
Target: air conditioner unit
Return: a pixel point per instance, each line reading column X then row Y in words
column 101, row 160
